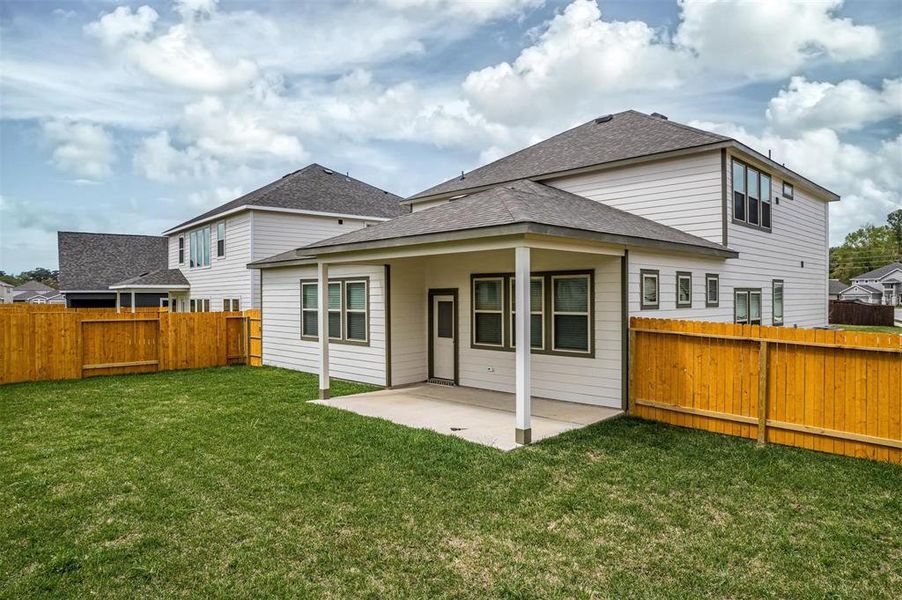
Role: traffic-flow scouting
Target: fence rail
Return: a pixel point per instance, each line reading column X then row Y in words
column 832, row 391
column 38, row 345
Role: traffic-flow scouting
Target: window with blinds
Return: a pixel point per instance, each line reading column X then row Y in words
column 348, row 310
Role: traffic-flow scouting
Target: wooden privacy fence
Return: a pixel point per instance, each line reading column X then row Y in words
column 853, row 312
column 826, row 390
column 71, row 344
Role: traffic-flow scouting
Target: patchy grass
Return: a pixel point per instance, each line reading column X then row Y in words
column 871, row 328
column 224, row 482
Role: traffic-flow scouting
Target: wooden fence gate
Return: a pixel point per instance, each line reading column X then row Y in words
column 826, row 390
column 62, row 343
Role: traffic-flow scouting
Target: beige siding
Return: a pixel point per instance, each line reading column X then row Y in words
column 682, row 192
column 226, row 277
column 587, row 380
column 408, row 322
column 418, row 206
column 282, row 343
column 276, row 232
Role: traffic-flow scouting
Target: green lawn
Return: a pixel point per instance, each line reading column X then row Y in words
column 871, row 328
column 223, row 482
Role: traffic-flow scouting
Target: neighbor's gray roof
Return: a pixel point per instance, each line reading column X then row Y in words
column 865, row 287
column 318, row 189
column 628, row 134
column 881, row 272
column 520, row 202
column 94, row 261
column 158, row 277
column 837, row 286
column 32, row 285
column 29, row 294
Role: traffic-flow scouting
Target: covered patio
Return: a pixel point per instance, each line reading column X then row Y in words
column 476, row 415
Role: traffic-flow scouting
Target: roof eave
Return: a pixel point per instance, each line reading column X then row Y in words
column 278, row 209
column 310, row 255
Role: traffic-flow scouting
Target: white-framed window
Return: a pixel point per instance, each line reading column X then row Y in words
column 164, row 302
column 181, row 249
column 220, row 239
column 684, row 289
column 355, row 316
column 751, row 196
column 536, row 312
column 571, row 322
column 777, row 306
column 788, row 190
column 712, row 289
column 200, row 305
column 747, row 306
column 649, row 297
column 488, row 311
column 231, row 304
column 348, row 310
column 199, row 251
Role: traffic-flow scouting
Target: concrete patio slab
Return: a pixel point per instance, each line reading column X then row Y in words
column 480, row 416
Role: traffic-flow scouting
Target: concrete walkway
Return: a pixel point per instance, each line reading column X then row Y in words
column 479, row 416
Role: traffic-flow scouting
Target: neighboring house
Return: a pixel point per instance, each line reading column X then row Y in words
column 208, row 254
column 835, row 288
column 626, row 215
column 35, row 292
column 880, row 286
column 90, row 263
column 6, row 293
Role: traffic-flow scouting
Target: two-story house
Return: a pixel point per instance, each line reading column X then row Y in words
column 208, row 254
column 559, row 243
column 880, row 286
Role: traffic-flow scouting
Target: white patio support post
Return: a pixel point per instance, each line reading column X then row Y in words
column 118, row 302
column 322, row 279
column 523, row 432
column 133, row 301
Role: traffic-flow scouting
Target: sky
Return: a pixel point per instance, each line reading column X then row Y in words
column 130, row 117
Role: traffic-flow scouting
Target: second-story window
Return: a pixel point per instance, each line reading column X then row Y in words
column 181, row 249
column 751, row 196
column 220, row 239
column 199, row 242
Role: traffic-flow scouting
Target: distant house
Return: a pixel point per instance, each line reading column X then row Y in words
column 6, row 293
column 90, row 263
column 835, row 288
column 880, row 286
column 35, row 292
column 210, row 251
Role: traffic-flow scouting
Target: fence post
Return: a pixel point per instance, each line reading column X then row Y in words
column 631, row 394
column 762, row 393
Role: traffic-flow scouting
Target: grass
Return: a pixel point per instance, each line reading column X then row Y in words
column 871, row 328
column 224, row 482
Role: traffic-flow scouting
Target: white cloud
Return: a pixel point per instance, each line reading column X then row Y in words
column 770, row 38
column 179, row 59
column 482, row 10
column 122, row 24
column 580, row 61
column 206, row 199
column 847, row 105
column 193, row 8
column 81, row 148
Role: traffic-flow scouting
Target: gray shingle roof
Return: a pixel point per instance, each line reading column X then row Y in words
column 94, row 261
column 32, row 285
column 836, row 286
column 880, row 272
column 628, row 134
column 29, row 294
column 319, row 189
column 863, row 286
column 159, row 277
column 519, row 202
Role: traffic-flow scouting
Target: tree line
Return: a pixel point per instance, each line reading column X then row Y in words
column 45, row 276
column 868, row 248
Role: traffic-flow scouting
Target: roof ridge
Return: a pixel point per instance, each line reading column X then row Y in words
column 711, row 134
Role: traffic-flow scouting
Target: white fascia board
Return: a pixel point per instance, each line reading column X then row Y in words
column 154, row 288
column 292, row 211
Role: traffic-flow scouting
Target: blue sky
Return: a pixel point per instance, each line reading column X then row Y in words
column 133, row 116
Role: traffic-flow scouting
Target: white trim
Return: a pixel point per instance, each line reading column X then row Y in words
column 177, row 286
column 294, row 211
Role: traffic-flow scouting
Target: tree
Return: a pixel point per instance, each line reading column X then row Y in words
column 865, row 249
column 895, row 223
column 42, row 274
